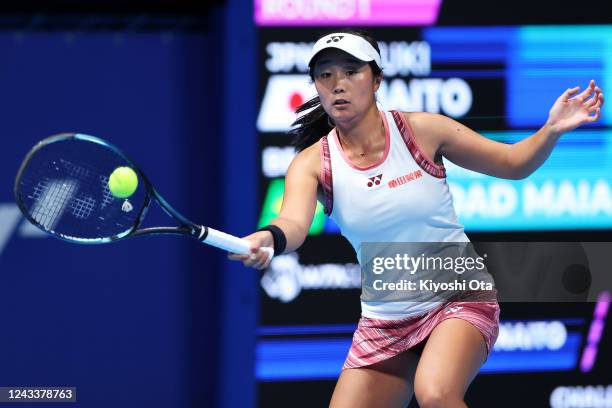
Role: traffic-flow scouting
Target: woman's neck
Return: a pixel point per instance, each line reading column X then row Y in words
column 363, row 136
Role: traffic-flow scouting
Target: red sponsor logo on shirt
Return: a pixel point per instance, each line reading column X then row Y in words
column 406, row 178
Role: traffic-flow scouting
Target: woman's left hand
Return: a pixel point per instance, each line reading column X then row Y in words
column 571, row 111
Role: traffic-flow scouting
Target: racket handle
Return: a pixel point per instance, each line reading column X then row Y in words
column 229, row 242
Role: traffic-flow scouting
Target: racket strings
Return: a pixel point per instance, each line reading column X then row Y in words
column 107, row 196
column 82, row 208
column 51, row 200
column 65, row 190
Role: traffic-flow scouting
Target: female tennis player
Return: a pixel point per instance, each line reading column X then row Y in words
column 353, row 152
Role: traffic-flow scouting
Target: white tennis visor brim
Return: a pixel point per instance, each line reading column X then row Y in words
column 352, row 44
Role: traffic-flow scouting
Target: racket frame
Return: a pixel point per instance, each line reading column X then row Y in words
column 185, row 226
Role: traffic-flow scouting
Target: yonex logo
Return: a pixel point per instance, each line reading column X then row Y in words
column 334, row 38
column 126, row 206
column 374, row 181
column 453, row 309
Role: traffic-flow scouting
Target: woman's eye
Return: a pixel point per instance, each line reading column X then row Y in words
column 325, row 75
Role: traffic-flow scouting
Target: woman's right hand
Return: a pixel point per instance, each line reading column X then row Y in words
column 256, row 259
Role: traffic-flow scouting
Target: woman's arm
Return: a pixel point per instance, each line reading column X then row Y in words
column 297, row 210
column 299, row 198
column 470, row 150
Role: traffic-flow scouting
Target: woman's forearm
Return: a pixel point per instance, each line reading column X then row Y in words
column 529, row 154
column 294, row 232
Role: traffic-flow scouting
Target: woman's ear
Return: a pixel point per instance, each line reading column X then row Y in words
column 377, row 80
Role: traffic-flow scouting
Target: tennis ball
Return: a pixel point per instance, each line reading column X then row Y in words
column 122, row 182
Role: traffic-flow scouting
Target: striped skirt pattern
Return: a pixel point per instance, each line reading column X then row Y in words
column 376, row 340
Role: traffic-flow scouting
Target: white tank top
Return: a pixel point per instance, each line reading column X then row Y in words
column 402, row 198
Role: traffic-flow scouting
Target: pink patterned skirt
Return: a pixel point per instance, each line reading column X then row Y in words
column 376, row 340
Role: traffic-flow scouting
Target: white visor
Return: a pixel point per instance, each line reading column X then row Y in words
column 349, row 43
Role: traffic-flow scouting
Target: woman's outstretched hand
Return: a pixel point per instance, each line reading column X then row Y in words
column 257, row 259
column 571, row 110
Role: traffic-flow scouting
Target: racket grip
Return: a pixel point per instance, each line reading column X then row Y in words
column 230, row 243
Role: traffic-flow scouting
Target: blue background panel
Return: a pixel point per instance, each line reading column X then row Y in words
column 547, row 60
column 122, row 322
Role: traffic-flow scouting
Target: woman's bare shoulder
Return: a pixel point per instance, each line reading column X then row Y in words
column 428, row 131
column 422, row 119
column 308, row 160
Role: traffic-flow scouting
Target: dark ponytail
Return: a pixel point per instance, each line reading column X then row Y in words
column 312, row 126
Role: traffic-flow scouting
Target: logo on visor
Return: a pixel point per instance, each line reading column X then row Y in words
column 334, row 38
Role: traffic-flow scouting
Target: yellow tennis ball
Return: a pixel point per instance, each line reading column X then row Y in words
column 123, row 182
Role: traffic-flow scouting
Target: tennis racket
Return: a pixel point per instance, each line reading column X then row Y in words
column 62, row 188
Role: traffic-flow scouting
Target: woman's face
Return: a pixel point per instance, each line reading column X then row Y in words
column 345, row 85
